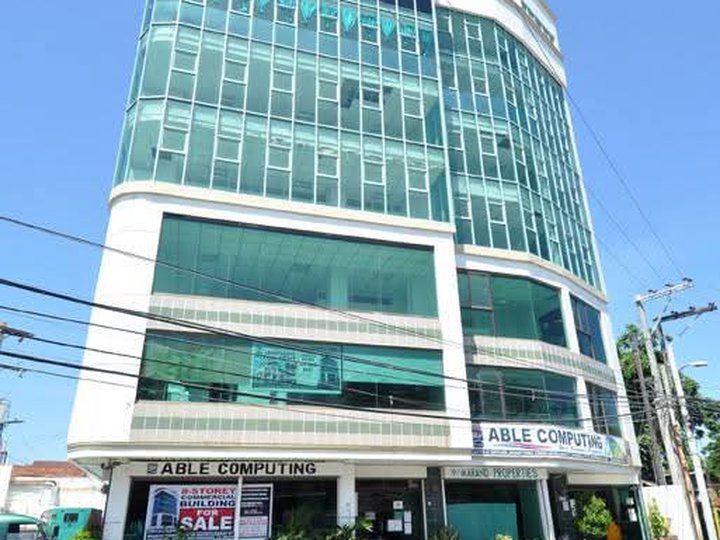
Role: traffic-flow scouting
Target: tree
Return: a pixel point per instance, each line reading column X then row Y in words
column 704, row 412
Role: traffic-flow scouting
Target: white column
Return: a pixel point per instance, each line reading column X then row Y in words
column 117, row 503
column 346, row 499
column 124, row 281
column 584, row 404
column 457, row 399
column 238, row 504
column 545, row 510
column 569, row 320
column 623, row 405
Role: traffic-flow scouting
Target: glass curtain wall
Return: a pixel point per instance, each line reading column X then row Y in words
column 515, row 181
column 203, row 368
column 272, row 265
column 505, row 306
column 522, row 395
column 329, row 102
column 340, row 103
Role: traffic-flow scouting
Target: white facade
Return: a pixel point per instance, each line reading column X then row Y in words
column 135, row 222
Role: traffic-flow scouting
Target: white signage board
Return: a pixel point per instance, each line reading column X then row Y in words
column 546, row 440
column 235, row 468
column 529, row 474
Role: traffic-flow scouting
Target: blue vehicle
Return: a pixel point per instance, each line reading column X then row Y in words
column 20, row 527
column 64, row 523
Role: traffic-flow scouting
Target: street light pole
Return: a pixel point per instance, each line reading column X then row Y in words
column 707, row 509
column 674, row 373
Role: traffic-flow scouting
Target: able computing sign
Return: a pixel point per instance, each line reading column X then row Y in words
column 546, row 440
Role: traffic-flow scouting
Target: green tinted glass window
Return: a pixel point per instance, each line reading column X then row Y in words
column 513, row 308
column 201, row 368
column 522, row 395
column 282, row 266
column 603, row 405
column 589, row 332
column 510, row 307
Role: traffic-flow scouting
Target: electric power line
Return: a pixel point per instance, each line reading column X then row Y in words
column 473, row 384
column 229, row 282
column 212, row 277
column 287, row 400
column 618, row 174
column 223, row 332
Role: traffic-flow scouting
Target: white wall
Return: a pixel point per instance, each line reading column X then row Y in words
column 102, row 412
column 670, row 502
column 5, row 471
column 33, row 496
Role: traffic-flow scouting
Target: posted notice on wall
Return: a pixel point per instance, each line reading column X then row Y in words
column 207, row 511
column 256, row 512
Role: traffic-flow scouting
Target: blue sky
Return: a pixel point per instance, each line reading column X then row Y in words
column 644, row 75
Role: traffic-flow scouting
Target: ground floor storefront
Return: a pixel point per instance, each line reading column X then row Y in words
column 258, row 500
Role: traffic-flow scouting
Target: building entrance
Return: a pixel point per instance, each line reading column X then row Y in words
column 394, row 507
column 482, row 511
column 622, row 502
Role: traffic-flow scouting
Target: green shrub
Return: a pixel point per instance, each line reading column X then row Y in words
column 446, row 533
column 357, row 530
column 87, row 534
column 659, row 524
column 595, row 518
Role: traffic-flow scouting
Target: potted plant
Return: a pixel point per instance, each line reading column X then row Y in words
column 594, row 520
column 353, row 531
column 87, row 534
column 446, row 533
column 659, row 524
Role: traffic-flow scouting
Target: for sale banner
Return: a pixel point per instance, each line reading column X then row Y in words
column 207, row 512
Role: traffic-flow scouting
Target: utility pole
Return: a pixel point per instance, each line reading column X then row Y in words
column 655, row 453
column 663, row 406
column 671, row 366
column 5, row 331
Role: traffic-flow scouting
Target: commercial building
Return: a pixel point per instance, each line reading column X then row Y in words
column 363, row 280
